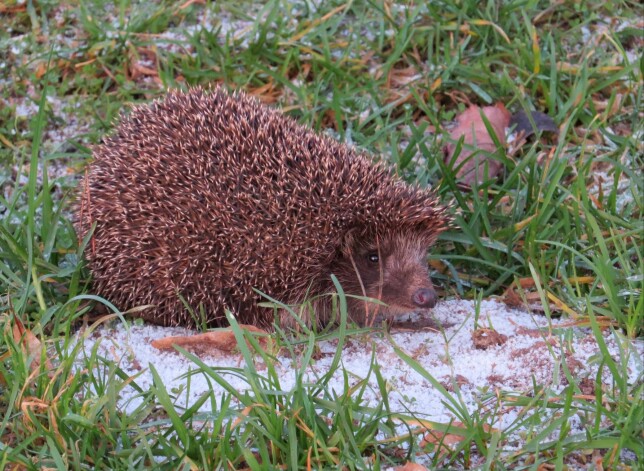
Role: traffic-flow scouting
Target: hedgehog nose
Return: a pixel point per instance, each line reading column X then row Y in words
column 424, row 297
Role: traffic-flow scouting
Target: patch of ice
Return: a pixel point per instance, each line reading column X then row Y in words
column 26, row 109
column 535, row 349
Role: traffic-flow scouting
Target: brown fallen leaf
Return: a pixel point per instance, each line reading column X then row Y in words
column 411, row 467
column 511, row 298
column 137, row 65
column 210, row 343
column 485, row 338
column 522, row 128
column 6, row 9
column 448, row 441
column 470, row 163
column 190, row 2
column 524, row 296
column 30, row 345
column 398, row 78
column 448, row 382
column 546, row 467
column 268, row 93
column 542, row 122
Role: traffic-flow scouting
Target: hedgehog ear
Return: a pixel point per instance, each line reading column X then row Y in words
column 356, row 240
column 348, row 242
column 427, row 234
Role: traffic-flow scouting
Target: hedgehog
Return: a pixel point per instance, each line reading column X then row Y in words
column 206, row 201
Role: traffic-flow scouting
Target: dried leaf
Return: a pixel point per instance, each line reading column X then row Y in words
column 10, row 9
column 268, row 93
column 138, row 70
column 191, row 2
column 411, row 467
column 398, row 78
column 471, row 127
column 485, row 338
column 138, row 67
column 531, row 300
column 30, row 345
column 209, row 343
column 512, row 299
column 446, row 442
column 542, row 121
column 545, row 467
column 448, row 382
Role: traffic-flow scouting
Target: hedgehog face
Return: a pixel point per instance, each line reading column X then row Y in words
column 393, row 271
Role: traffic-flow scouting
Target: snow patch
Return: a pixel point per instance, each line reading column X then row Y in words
column 536, row 350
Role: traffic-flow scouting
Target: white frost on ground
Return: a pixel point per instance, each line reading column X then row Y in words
column 535, row 349
column 177, row 40
column 602, row 178
column 64, row 123
column 63, row 127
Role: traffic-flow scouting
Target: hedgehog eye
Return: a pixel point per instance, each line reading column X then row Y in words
column 373, row 257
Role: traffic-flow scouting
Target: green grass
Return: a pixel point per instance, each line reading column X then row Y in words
column 377, row 75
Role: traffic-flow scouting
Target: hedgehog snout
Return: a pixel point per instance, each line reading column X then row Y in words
column 425, row 298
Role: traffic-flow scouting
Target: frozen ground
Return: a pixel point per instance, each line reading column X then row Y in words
column 532, row 352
